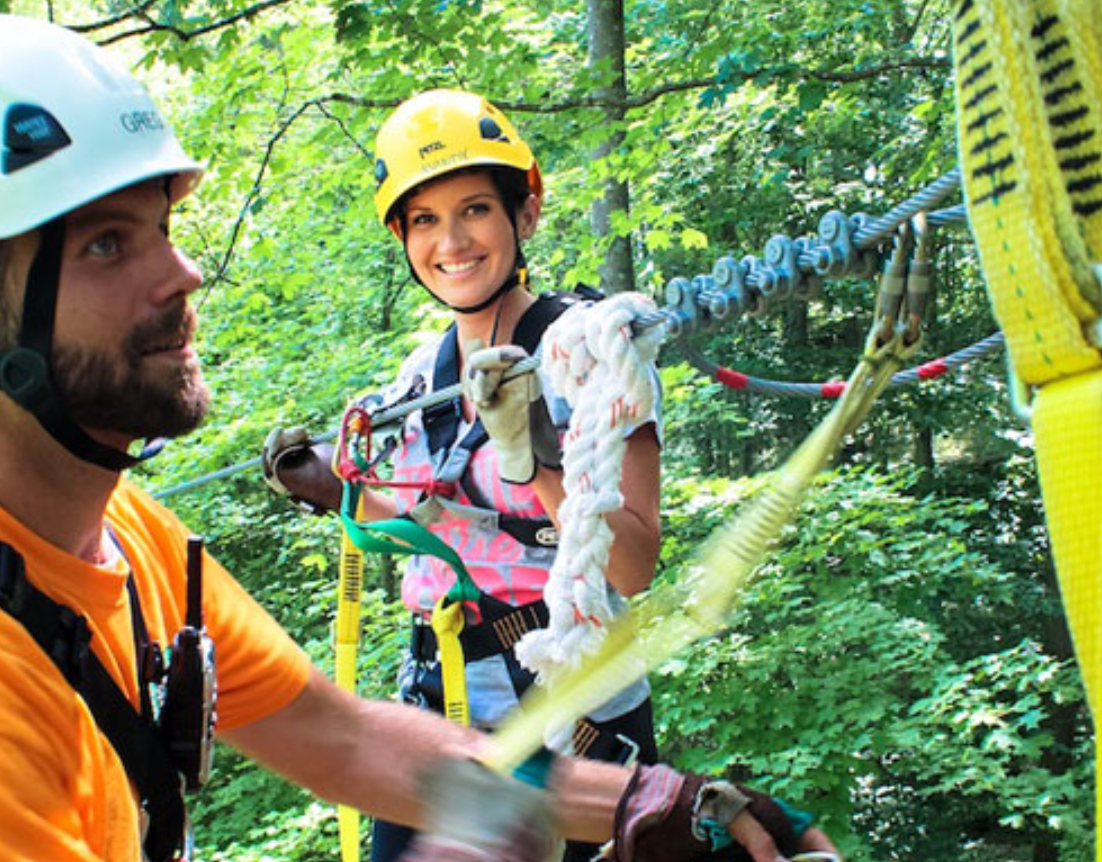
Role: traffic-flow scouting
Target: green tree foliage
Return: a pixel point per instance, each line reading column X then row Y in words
column 900, row 666
column 881, row 671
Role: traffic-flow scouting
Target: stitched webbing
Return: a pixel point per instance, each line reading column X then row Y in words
column 1029, row 96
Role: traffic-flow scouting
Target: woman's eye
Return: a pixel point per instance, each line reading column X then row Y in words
column 104, row 245
column 478, row 209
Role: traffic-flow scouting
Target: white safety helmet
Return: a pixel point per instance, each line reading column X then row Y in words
column 75, row 125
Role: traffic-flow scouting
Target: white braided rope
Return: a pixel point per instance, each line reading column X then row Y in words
column 603, row 371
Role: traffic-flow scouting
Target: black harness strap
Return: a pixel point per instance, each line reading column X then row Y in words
column 442, row 421
column 65, row 637
column 497, row 634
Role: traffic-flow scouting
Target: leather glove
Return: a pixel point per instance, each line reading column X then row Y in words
column 513, row 411
column 477, row 815
column 664, row 816
column 296, row 467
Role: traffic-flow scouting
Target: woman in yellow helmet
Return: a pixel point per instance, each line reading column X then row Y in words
column 462, row 192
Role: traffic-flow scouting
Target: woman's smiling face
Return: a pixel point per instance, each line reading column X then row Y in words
column 460, row 239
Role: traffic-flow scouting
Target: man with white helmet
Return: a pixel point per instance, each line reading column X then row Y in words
column 98, row 729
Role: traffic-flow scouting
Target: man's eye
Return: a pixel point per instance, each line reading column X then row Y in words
column 104, row 245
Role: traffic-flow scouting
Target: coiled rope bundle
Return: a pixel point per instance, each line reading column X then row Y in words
column 604, row 371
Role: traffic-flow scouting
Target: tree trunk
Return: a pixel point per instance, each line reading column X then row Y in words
column 924, row 448
column 796, row 412
column 606, row 50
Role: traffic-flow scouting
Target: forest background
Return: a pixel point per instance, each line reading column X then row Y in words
column 901, row 665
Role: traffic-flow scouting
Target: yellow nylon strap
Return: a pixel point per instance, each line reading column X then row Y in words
column 1067, row 422
column 1029, row 97
column 1011, row 56
column 447, row 623
column 346, row 645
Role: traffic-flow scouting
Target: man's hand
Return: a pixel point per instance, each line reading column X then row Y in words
column 300, row 469
column 477, row 815
column 667, row 817
column 512, row 411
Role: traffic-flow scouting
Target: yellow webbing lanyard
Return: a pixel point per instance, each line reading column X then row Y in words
column 1029, row 97
column 346, row 645
column 447, row 623
column 396, row 536
column 672, row 615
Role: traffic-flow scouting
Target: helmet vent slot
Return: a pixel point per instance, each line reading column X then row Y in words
column 491, row 131
column 31, row 133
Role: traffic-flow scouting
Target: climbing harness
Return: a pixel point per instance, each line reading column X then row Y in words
column 166, row 747
column 502, row 625
column 1029, row 102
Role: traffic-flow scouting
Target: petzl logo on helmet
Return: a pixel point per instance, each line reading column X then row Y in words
column 141, row 121
column 30, row 134
column 429, row 149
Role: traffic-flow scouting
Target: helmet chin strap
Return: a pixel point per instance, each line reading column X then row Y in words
column 25, row 368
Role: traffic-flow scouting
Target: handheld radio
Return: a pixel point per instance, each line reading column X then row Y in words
column 187, row 717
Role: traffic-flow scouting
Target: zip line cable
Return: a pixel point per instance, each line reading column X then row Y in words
column 846, row 246
column 931, row 370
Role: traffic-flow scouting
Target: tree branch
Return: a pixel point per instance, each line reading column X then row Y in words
column 876, row 71
column 645, row 97
column 258, row 181
column 152, row 26
column 913, row 28
column 138, row 10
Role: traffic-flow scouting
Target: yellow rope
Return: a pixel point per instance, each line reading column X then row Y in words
column 674, row 615
column 1029, row 97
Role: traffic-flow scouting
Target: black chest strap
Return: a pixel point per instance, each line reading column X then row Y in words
column 65, row 637
column 442, row 422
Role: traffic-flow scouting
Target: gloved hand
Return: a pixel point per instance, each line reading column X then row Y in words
column 477, row 815
column 296, row 467
column 667, row 817
column 512, row 411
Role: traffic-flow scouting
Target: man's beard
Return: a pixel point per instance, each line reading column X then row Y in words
column 116, row 393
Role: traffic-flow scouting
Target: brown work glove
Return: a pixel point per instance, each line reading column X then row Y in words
column 297, row 467
column 663, row 817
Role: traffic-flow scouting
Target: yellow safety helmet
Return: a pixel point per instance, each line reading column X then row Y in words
column 440, row 131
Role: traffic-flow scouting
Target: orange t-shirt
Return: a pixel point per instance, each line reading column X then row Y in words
column 64, row 794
